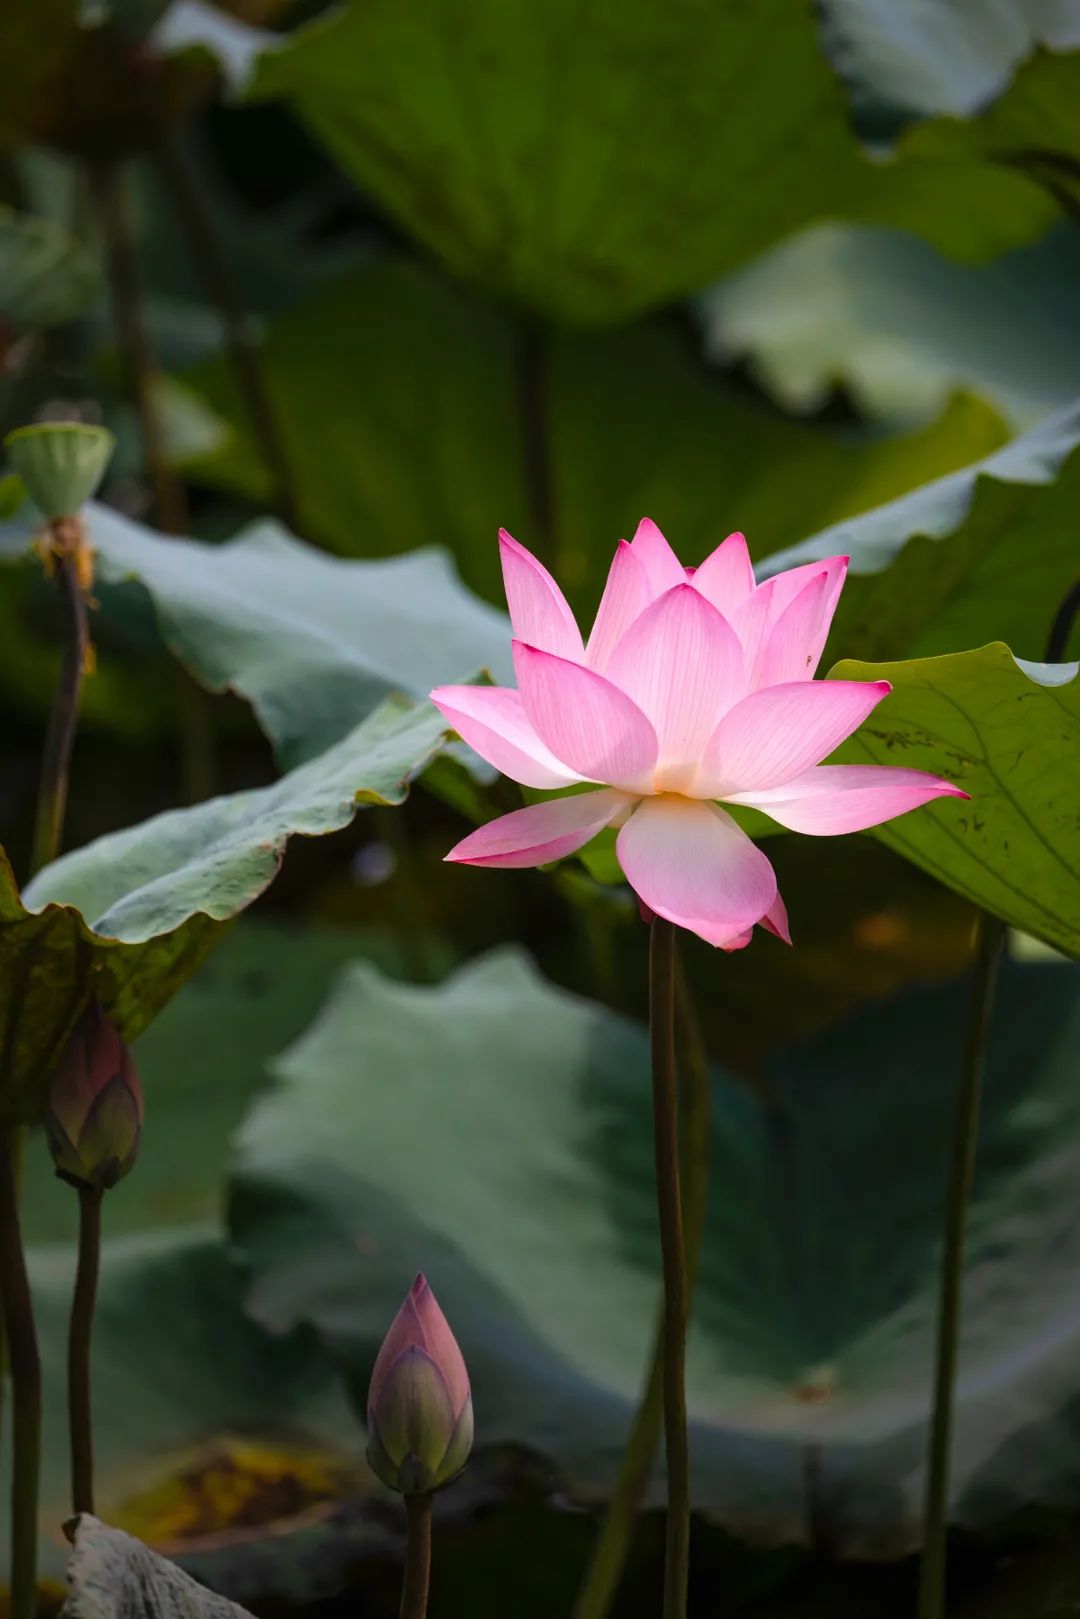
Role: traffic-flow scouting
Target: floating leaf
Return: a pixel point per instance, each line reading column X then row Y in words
column 528, row 1197
column 1009, row 734
column 596, row 169
column 985, row 553
column 128, row 918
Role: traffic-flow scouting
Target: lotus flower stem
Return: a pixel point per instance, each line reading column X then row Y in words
column 80, row 1425
column 242, row 351
column 673, row 1253
column 414, row 1590
column 601, row 1582
column 990, row 941
column 63, row 718
column 932, row 1596
column 25, row 1365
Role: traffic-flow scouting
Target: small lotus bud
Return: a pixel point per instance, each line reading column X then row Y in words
column 94, row 1119
column 61, row 463
column 420, row 1415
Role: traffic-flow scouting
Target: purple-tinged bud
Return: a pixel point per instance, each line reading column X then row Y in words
column 420, row 1415
column 94, row 1120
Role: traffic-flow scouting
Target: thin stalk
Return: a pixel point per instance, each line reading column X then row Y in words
column 673, row 1254
column 990, row 941
column 63, row 717
column 80, row 1423
column 25, row 1367
column 414, row 1590
column 932, row 1572
column 605, row 1570
column 240, row 348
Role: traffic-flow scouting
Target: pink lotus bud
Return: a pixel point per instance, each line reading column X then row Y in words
column 95, row 1111
column 420, row 1415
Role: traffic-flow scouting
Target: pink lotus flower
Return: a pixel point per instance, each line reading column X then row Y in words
column 695, row 686
column 420, row 1414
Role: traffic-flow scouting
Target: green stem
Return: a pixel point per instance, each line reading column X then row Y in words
column 602, row 1577
column 932, row 1573
column 63, row 717
column 669, row 1207
column 26, row 1392
column 414, row 1590
column 80, row 1423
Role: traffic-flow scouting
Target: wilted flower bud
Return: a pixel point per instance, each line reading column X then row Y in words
column 95, row 1111
column 420, row 1415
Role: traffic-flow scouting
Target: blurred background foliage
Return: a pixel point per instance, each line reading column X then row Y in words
column 389, row 275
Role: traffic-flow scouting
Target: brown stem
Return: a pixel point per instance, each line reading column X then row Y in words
column 80, row 1420
column 414, row 1590
column 137, row 357
column 63, row 717
column 608, row 1561
column 242, row 350
column 25, row 1364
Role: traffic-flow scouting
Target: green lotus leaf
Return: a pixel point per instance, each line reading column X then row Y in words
column 596, row 179
column 1009, row 734
column 312, row 641
column 882, row 315
column 527, row 1195
column 985, row 553
column 400, row 399
column 128, row 918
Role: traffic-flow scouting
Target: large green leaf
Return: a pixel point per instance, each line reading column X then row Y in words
column 511, row 1158
column 1010, row 736
column 400, row 399
column 596, row 164
column 986, row 553
column 899, row 327
column 128, row 918
column 312, row 641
